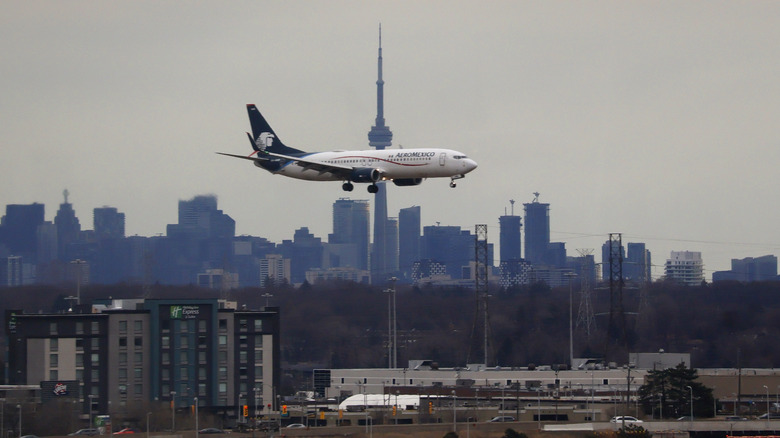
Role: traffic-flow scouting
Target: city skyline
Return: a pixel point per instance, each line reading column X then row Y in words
column 650, row 119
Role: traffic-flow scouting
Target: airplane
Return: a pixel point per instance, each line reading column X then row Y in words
column 404, row 167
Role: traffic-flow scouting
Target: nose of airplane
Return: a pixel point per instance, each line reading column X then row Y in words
column 470, row 165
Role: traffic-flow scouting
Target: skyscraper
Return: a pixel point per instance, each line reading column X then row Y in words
column 351, row 227
column 380, row 137
column 509, row 238
column 408, row 239
column 537, row 230
column 108, row 223
column 638, row 263
column 685, row 267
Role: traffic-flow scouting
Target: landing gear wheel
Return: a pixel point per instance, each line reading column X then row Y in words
column 452, row 184
column 373, row 188
column 347, row 187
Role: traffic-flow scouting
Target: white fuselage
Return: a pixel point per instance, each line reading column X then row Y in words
column 391, row 163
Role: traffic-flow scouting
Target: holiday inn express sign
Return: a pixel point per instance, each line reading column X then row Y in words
column 185, row 312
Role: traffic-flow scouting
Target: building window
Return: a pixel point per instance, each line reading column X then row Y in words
column 222, row 373
column 79, row 359
column 166, row 374
column 166, row 357
column 201, row 341
column 223, row 390
column 53, row 344
column 123, row 389
column 94, row 359
column 185, row 342
column 258, row 341
column 242, row 339
column 122, row 341
column 139, row 389
column 258, row 371
column 201, row 389
column 222, row 355
column 53, row 375
column 166, row 341
column 183, row 357
column 95, row 343
column 184, row 373
column 138, row 326
column 242, row 325
column 95, row 327
column 201, row 373
column 123, row 326
column 242, row 356
column 79, row 328
column 201, row 357
column 139, row 341
column 202, row 325
column 139, row 357
column 258, row 325
column 53, row 360
column 80, row 374
column 122, row 373
column 222, row 339
column 95, row 376
column 138, row 373
column 242, row 372
column 52, row 328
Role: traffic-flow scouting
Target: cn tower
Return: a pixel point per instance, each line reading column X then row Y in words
column 380, row 137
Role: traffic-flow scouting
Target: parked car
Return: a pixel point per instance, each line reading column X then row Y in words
column 126, row 430
column 296, row 426
column 211, row 430
column 685, row 418
column 735, row 418
column 89, row 432
column 770, row 416
column 501, row 419
column 625, row 419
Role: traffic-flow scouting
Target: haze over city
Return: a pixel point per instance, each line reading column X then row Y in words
column 653, row 119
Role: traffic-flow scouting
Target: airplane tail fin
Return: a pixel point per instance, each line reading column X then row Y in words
column 263, row 137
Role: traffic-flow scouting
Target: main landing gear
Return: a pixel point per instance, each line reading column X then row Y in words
column 347, row 186
column 373, row 188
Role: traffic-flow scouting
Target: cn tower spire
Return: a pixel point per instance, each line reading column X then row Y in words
column 380, row 136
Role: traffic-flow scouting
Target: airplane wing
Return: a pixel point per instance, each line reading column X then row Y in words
column 343, row 171
column 315, row 165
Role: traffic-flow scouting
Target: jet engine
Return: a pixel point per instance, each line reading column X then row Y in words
column 365, row 174
column 407, row 181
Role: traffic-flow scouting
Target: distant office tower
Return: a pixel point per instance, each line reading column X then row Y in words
column 68, row 229
column 408, row 239
column 383, row 258
column 46, row 237
column 636, row 266
column 391, row 261
column 108, row 223
column 509, row 237
column 11, row 271
column 537, row 231
column 19, row 227
column 351, row 230
column 685, row 267
column 514, row 272
column 199, row 217
column 750, row 269
column 450, row 246
column 305, row 253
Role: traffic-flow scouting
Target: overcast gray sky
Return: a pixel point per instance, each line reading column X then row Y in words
column 655, row 119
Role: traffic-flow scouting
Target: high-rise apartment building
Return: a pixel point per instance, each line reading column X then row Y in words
column 637, row 263
column 509, row 237
column 537, row 231
column 685, row 267
column 408, row 239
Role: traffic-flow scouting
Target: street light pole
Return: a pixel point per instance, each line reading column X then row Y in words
column 767, row 404
column 691, row 389
column 197, row 428
column 20, row 420
column 147, row 423
column 454, row 402
column 173, row 411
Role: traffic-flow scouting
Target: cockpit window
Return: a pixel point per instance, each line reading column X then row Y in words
column 459, row 157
